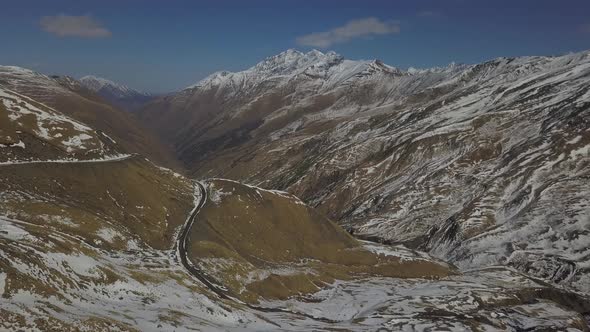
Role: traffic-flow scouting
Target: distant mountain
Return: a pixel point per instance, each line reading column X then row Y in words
column 468, row 162
column 329, row 68
column 119, row 94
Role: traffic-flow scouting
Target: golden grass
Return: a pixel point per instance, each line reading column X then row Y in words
column 132, row 197
column 7, row 130
column 262, row 244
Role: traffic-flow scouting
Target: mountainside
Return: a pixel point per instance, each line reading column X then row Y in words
column 66, row 95
column 118, row 94
column 269, row 244
column 478, row 164
column 100, row 255
column 95, row 239
column 31, row 131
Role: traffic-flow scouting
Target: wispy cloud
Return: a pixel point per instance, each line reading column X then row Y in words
column 74, row 26
column 364, row 27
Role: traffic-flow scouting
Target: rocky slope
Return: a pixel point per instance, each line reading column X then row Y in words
column 477, row 164
column 118, row 94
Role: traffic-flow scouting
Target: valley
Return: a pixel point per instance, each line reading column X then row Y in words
column 308, row 192
column 465, row 162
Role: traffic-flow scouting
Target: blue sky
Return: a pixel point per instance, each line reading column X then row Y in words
column 162, row 46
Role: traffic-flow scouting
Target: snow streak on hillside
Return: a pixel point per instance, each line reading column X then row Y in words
column 478, row 164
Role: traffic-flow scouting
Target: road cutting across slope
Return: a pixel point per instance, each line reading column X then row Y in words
column 181, row 252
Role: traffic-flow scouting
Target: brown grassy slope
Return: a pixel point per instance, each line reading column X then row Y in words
column 41, row 133
column 123, row 127
column 265, row 244
column 133, row 197
column 200, row 125
column 67, row 232
column 7, row 129
column 169, row 118
column 94, row 111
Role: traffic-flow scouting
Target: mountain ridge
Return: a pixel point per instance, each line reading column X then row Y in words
column 97, row 84
column 421, row 157
column 119, row 94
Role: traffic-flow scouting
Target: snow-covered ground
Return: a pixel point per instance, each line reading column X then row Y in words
column 475, row 301
column 152, row 292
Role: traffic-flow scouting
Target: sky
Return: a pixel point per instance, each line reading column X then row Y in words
column 161, row 46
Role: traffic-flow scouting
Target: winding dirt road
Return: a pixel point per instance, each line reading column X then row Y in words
column 222, row 292
column 182, row 242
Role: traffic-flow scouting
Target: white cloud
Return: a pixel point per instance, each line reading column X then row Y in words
column 74, row 26
column 364, row 27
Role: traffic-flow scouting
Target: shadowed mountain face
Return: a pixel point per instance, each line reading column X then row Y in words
column 467, row 162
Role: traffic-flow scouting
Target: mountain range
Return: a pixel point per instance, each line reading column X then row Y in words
column 118, row 94
column 468, row 162
column 306, row 192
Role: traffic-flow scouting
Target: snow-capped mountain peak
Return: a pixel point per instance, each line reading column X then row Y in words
column 292, row 61
column 119, row 94
column 285, row 65
column 98, row 84
column 328, row 67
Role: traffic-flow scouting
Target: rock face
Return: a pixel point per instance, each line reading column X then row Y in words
column 473, row 163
